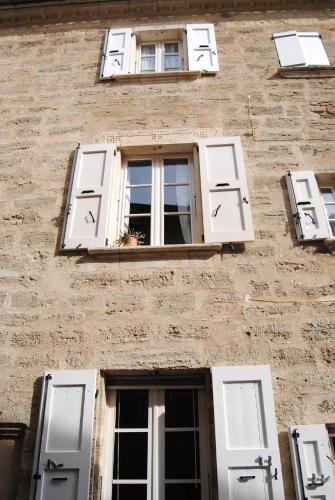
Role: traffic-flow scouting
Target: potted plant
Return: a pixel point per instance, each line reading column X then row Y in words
column 130, row 238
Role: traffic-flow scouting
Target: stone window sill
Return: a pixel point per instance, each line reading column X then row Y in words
column 307, row 72
column 164, row 249
column 155, row 76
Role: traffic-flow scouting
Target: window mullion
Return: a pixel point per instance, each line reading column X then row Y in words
column 158, row 454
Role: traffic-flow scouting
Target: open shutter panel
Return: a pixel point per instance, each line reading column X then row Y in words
column 116, row 56
column 247, row 454
column 307, row 208
column 300, row 49
column 201, row 47
column 64, row 442
column 86, row 217
column 225, row 199
column 313, row 470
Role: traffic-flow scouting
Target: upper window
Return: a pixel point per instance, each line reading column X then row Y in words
column 300, row 49
column 313, row 205
column 191, row 48
column 195, row 196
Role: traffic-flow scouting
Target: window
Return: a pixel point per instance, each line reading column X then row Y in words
column 158, row 199
column 313, row 206
column 190, row 49
column 156, row 447
column 300, row 49
column 313, row 460
column 159, row 57
column 197, row 194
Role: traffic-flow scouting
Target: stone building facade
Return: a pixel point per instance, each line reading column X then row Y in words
column 168, row 310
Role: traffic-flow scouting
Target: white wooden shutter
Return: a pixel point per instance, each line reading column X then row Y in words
column 247, row 454
column 86, row 214
column 313, row 470
column 225, row 198
column 117, row 50
column 308, row 213
column 64, row 438
column 300, row 49
column 201, row 48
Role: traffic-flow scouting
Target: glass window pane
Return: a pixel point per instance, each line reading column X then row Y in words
column 130, row 455
column 139, row 172
column 181, row 408
column 331, row 211
column 182, row 492
column 177, row 199
column 177, row 229
column 327, row 194
column 182, row 455
column 140, row 224
column 131, row 409
column 171, row 62
column 176, row 171
column 148, row 64
column 129, row 492
column 332, row 227
column 138, row 200
column 148, row 50
column 171, row 48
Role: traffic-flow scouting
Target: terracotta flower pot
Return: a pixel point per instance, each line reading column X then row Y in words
column 131, row 241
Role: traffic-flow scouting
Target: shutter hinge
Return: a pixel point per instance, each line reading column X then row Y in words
column 295, row 434
column 96, row 393
column 48, row 377
column 114, row 152
column 197, row 148
column 63, row 245
column 78, row 146
column 37, row 475
column 203, row 238
column 106, row 242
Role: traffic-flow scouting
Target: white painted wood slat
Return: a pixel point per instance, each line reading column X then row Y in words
column 225, row 198
column 64, row 437
column 247, row 454
column 313, row 470
column 309, row 216
column 87, row 211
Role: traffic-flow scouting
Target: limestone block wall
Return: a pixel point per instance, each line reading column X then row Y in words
column 270, row 302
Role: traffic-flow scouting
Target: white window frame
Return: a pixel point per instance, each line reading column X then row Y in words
column 157, row 195
column 325, row 203
column 156, row 427
column 159, row 56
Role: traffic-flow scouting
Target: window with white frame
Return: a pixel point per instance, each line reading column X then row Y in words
column 199, row 196
column 158, row 199
column 300, row 48
column 313, row 205
column 187, row 48
column 158, row 444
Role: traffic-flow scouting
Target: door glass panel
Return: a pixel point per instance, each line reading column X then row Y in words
column 177, row 229
column 129, row 492
column 177, row 199
column 131, row 409
column 182, row 455
column 130, row 455
column 176, row 171
column 139, row 172
column 140, row 224
column 182, row 492
column 138, row 200
column 181, row 408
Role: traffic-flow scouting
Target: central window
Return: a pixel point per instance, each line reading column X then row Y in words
column 159, row 57
column 158, row 199
column 157, row 446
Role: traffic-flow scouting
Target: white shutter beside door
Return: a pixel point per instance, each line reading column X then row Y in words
column 86, row 215
column 247, row 454
column 117, row 51
column 313, row 470
column 201, row 48
column 64, row 438
column 225, row 199
column 307, row 209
